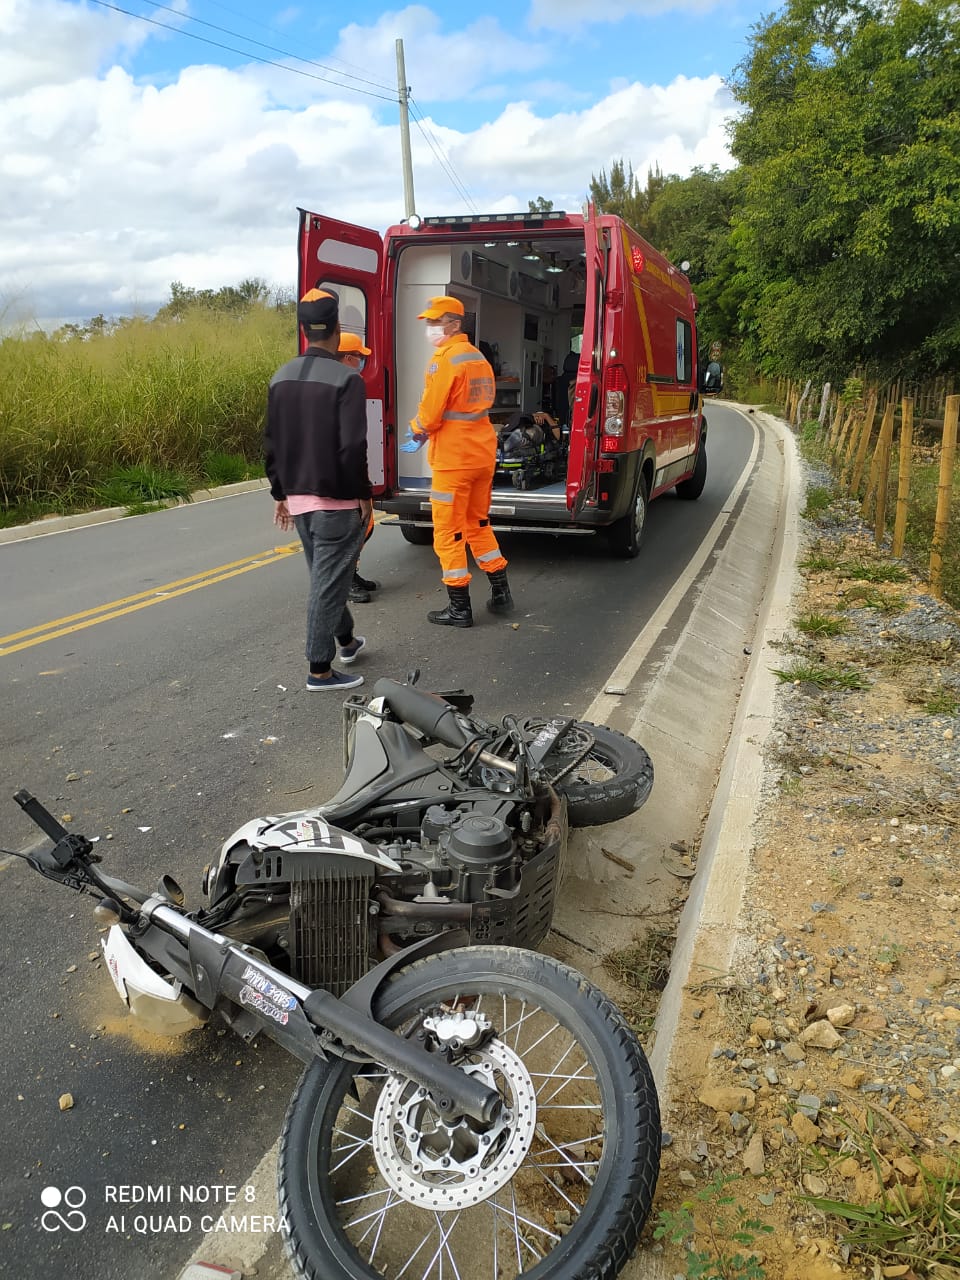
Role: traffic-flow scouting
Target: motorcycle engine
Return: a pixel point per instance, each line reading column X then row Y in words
column 476, row 847
column 461, row 856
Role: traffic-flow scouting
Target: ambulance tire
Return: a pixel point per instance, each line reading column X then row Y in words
column 692, row 488
column 626, row 534
column 418, row 535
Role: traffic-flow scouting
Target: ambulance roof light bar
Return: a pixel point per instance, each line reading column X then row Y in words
column 469, row 219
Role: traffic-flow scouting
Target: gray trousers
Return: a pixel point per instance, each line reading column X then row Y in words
column 331, row 542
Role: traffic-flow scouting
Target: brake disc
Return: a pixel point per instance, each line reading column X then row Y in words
column 441, row 1165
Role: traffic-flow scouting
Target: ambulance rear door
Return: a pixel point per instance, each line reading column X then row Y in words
column 349, row 259
column 587, row 399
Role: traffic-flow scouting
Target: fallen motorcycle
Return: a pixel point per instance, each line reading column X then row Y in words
column 412, row 844
column 477, row 1111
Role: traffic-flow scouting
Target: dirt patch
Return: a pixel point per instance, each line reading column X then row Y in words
column 822, row 1073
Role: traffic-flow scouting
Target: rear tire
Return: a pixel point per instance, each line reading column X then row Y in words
column 692, row 488
column 626, row 534
column 594, row 800
column 418, row 535
column 583, row 1101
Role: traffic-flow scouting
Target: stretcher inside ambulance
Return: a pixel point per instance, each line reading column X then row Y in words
column 592, row 338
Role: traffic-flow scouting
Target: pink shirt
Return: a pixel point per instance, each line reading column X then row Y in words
column 298, row 504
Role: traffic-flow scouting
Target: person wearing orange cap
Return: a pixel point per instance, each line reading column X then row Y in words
column 453, row 419
column 315, row 456
column 354, row 355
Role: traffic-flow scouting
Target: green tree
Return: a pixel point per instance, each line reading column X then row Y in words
column 540, row 205
column 229, row 298
column 847, row 232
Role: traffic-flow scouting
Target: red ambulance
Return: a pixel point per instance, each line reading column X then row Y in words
column 580, row 318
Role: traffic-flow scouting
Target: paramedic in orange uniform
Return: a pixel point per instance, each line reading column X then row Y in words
column 462, row 451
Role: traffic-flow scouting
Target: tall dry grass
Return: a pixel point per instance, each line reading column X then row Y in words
column 150, row 394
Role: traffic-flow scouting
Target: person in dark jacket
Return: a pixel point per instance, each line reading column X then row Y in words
column 315, row 455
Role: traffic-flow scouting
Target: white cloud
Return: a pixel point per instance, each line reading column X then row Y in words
column 110, row 188
column 440, row 67
column 42, row 41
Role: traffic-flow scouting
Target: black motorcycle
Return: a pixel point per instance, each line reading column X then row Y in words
column 474, row 1111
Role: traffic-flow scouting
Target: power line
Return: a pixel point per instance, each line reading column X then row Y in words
column 429, row 137
column 445, row 163
column 269, row 62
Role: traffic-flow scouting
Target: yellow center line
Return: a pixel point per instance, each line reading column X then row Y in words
column 142, row 600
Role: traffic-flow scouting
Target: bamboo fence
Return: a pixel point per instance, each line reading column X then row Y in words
column 926, row 418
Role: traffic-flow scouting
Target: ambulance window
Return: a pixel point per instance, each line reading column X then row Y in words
column 598, row 324
column 684, row 351
column 353, row 307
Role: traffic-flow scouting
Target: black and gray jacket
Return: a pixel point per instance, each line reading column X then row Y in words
column 316, row 434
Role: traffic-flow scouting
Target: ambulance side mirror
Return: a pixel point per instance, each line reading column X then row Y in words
column 711, row 380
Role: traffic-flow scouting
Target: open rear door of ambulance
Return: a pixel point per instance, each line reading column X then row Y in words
column 349, row 260
column 587, row 406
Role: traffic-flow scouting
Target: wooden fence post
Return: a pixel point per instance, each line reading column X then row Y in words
column 837, row 420
column 883, row 472
column 856, row 472
column 850, row 423
column 903, row 478
column 802, row 400
column 948, row 455
column 824, row 405
column 867, row 505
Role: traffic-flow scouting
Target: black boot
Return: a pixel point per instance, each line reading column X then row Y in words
column 457, row 613
column 501, row 601
column 360, row 589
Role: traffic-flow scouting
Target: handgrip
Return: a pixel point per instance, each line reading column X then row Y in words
column 41, row 816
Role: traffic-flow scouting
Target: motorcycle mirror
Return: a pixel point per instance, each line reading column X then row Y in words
column 107, row 911
column 168, row 888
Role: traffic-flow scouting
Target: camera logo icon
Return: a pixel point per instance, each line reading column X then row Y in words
column 63, row 1208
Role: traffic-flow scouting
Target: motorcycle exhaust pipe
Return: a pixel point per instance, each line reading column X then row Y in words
column 292, row 1014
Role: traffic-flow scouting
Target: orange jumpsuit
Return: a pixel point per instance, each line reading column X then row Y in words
column 462, row 453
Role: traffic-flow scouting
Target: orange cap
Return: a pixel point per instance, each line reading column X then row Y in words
column 442, row 306
column 350, row 344
column 319, row 309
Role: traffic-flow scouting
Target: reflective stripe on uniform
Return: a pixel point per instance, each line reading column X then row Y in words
column 489, row 555
column 435, row 496
column 467, row 357
column 452, row 416
column 456, row 573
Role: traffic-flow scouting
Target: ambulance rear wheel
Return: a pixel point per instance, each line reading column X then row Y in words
column 418, row 535
column 626, row 534
column 692, row 488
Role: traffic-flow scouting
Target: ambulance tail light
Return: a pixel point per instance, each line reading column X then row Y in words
column 614, row 407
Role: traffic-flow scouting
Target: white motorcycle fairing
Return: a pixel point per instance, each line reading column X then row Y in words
column 159, row 1004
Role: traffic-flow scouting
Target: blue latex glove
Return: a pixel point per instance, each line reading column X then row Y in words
column 412, row 441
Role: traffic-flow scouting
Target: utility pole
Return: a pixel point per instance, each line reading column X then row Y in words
column 404, row 92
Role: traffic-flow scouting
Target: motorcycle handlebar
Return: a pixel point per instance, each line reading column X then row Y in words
column 425, row 711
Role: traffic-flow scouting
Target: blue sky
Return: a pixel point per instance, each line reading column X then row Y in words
column 132, row 155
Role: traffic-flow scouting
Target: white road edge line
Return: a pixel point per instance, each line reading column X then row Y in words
column 605, row 703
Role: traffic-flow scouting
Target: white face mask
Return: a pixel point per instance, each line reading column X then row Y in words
column 435, row 334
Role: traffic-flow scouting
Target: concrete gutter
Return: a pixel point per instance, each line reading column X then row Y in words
column 709, row 927
column 61, row 524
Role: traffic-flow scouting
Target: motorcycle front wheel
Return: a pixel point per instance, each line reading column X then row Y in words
column 374, row 1183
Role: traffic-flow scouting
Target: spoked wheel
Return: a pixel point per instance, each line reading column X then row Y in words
column 375, row 1183
column 611, row 780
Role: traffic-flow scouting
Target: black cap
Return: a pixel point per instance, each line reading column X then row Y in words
column 319, row 309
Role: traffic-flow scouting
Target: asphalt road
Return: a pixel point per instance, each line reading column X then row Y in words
column 153, row 689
